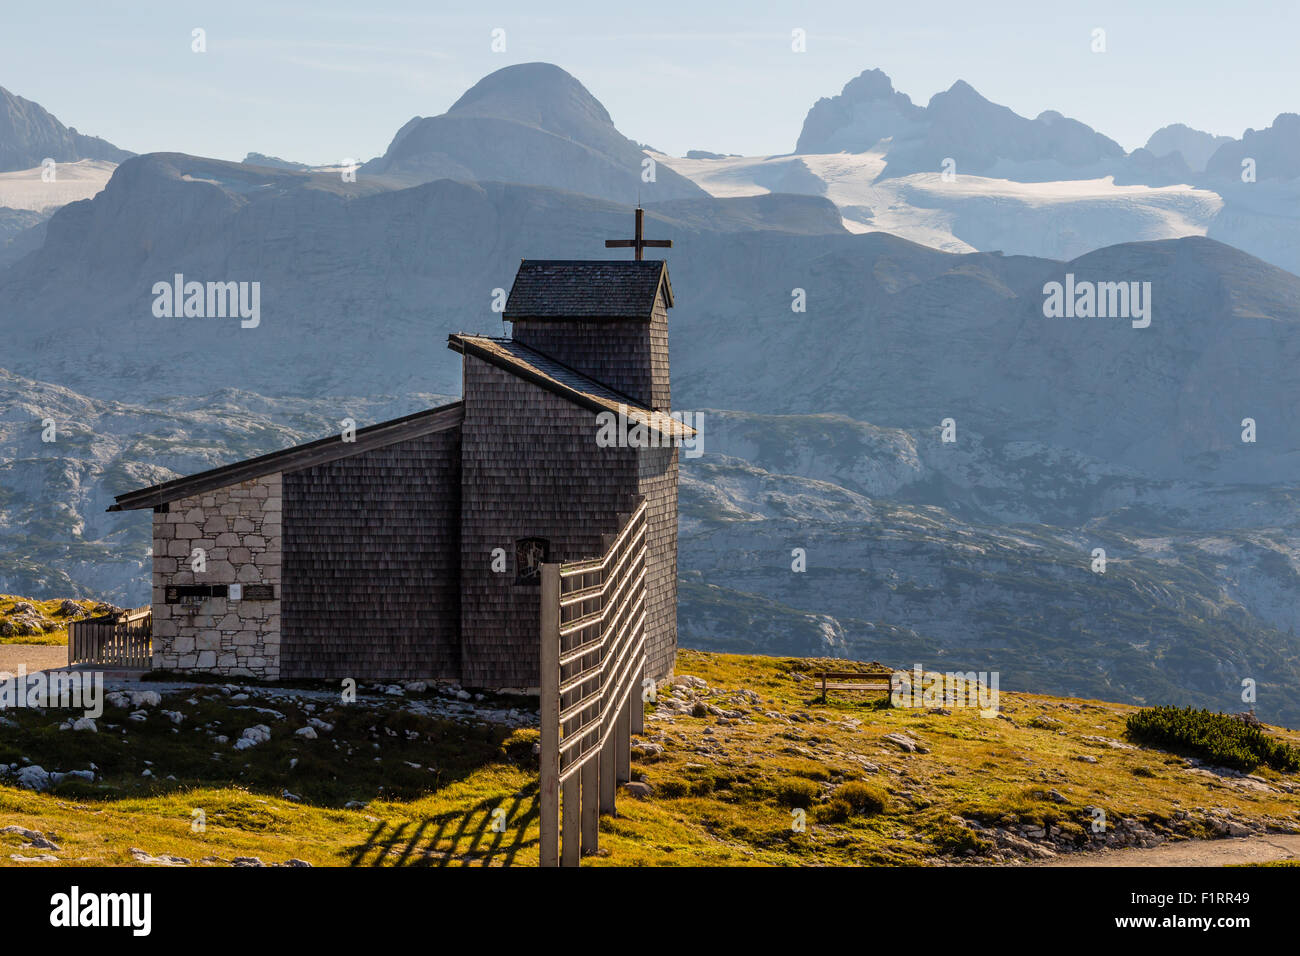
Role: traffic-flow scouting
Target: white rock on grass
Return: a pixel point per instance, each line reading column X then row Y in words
column 907, row 742
column 252, row 736
column 140, row 856
column 36, row 839
column 34, row 778
column 85, row 723
column 320, row 725
column 307, row 733
column 135, row 698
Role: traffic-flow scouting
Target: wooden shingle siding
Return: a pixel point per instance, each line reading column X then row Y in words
column 530, row 468
column 630, row 357
column 371, row 542
column 657, row 482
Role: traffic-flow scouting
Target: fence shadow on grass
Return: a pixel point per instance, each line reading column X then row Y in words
column 472, row 838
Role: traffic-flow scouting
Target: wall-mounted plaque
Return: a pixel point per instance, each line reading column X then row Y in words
column 192, row 593
column 259, row 592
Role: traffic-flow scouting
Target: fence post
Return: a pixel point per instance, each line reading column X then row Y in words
column 622, row 740
column 637, row 699
column 549, row 793
column 591, row 805
column 608, row 777
column 571, row 815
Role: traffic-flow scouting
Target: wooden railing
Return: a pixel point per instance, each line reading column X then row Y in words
column 593, row 621
column 124, row 639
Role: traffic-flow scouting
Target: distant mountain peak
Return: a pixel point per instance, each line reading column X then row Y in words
column 872, row 84
column 1274, row 151
column 530, row 123
column 539, row 93
column 29, row 135
column 958, row 123
column 866, row 111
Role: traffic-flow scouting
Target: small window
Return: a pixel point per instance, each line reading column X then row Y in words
column 530, row 555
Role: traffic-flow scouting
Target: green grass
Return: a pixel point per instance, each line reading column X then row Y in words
column 54, row 629
column 814, row 785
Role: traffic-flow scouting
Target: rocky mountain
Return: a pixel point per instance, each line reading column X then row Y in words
column 29, row 135
column 1275, row 150
column 963, row 174
column 865, row 112
column 958, row 124
column 57, row 536
column 983, row 551
column 1193, row 145
column 531, row 123
column 274, row 162
column 330, row 259
column 893, row 332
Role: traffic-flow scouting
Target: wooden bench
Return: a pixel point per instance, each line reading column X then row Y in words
column 853, row 680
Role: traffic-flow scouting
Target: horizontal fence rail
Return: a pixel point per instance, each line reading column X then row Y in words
column 124, row 639
column 593, row 624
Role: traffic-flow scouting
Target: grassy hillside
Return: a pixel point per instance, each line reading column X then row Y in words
column 27, row 621
column 733, row 750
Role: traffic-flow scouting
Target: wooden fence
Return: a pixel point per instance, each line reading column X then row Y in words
column 592, row 663
column 124, row 639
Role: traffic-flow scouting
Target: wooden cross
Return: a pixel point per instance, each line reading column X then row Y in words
column 639, row 244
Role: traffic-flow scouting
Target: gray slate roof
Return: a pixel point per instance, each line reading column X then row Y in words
column 597, row 289
column 545, row 372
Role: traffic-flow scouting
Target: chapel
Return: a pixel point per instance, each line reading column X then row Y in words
column 411, row 549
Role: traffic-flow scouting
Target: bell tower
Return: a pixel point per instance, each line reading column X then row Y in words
column 604, row 318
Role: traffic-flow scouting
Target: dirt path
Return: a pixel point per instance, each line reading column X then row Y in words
column 1253, row 849
column 37, row 657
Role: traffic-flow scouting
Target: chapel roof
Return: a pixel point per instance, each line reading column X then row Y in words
column 592, row 289
column 313, row 453
column 541, row 370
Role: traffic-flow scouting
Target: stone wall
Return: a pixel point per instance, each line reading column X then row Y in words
column 239, row 529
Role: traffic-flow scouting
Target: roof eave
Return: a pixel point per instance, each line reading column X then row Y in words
column 457, row 343
column 295, row 458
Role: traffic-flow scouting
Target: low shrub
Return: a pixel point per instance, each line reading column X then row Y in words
column 794, row 792
column 862, row 798
column 1220, row 739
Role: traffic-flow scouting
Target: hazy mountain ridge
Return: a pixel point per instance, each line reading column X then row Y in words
column 901, row 334
column 1194, row 146
column 29, row 135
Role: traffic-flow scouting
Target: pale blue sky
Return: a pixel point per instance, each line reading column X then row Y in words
column 323, row 80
